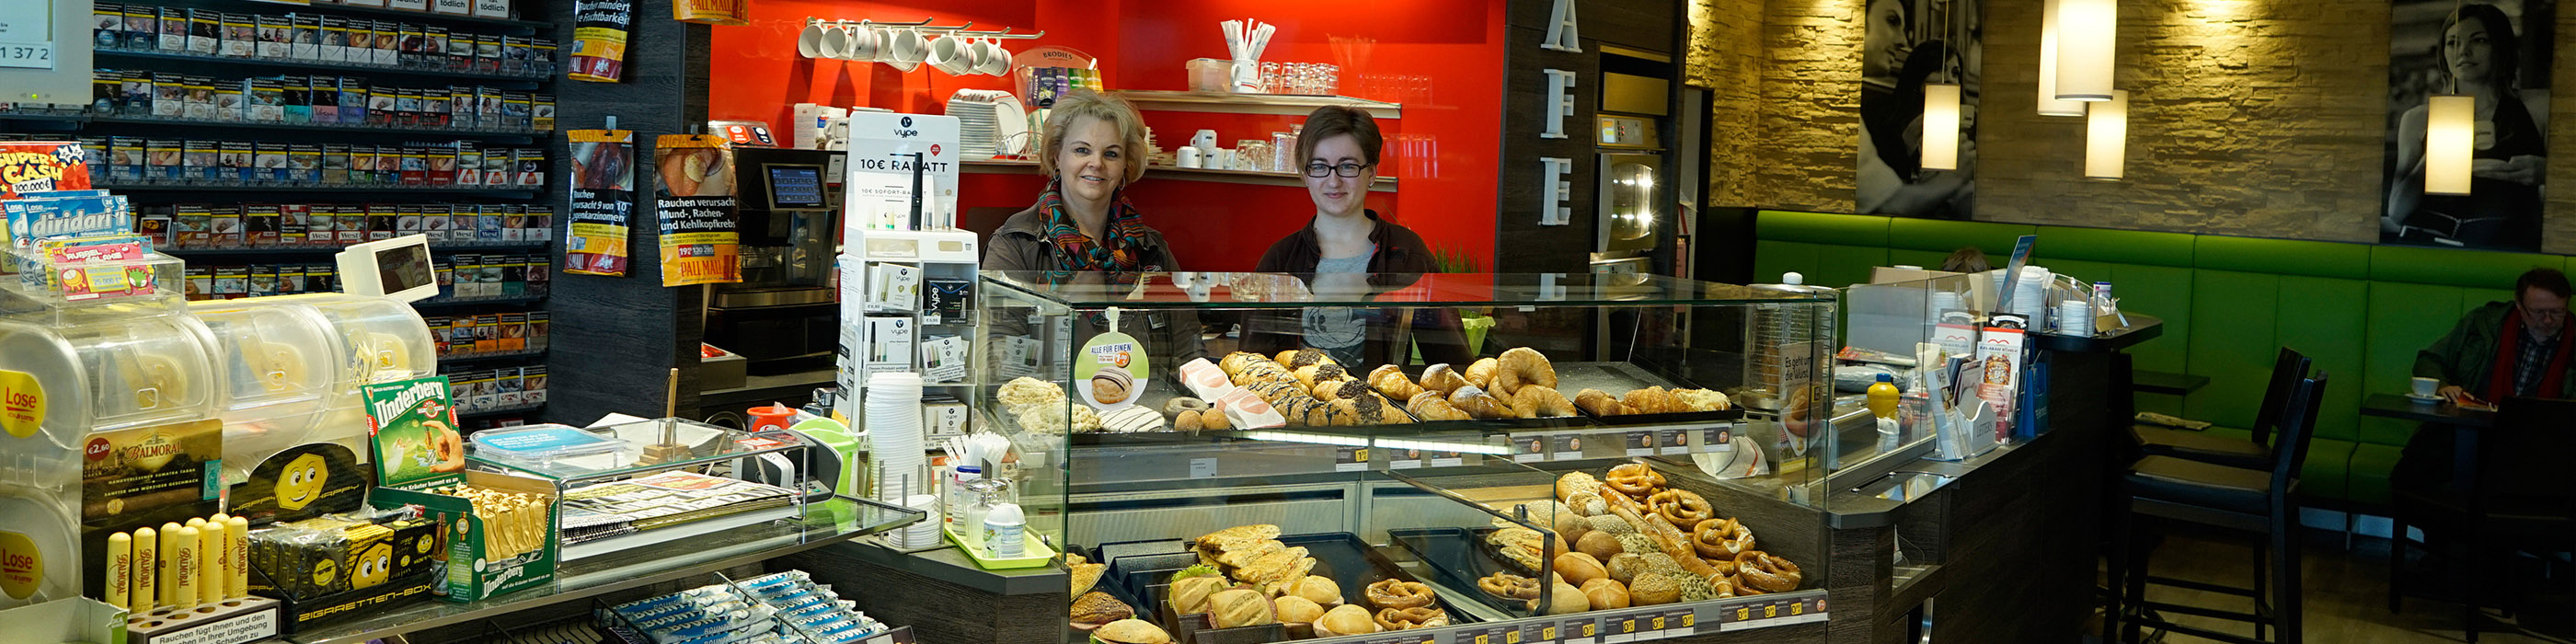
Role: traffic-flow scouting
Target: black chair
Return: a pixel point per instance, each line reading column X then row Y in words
column 2228, row 450
column 2173, row 490
column 2517, row 500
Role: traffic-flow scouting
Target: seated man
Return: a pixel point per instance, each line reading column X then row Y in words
column 2501, row 350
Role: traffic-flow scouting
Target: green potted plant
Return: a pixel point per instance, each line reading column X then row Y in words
column 1475, row 320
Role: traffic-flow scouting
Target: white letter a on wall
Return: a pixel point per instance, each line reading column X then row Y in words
column 1561, row 34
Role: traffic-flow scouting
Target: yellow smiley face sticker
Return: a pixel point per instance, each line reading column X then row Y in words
column 323, row 572
column 301, row 482
column 374, row 565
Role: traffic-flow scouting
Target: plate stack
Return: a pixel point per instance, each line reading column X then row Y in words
column 989, row 122
column 893, row 416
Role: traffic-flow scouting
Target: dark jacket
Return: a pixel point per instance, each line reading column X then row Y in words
column 1171, row 336
column 2466, row 356
column 1401, row 260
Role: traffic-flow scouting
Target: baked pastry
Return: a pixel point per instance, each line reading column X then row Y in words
column 1399, row 594
column 1767, row 573
column 1483, row 406
column 1601, row 545
column 1317, row 588
column 1341, row 389
column 1391, row 381
column 1573, row 483
column 1725, row 586
column 1599, row 403
column 1723, row 539
column 1442, row 378
column 1625, row 566
column 1233, row 362
column 1184, row 404
column 1132, row 419
column 1405, row 619
column 1609, row 523
column 1652, row 400
column 1131, row 631
column 1605, row 594
column 1432, row 405
column 1521, row 547
column 1637, row 480
column 1319, row 372
column 1654, row 588
column 1588, row 505
column 1082, row 576
column 1112, row 385
column 1541, row 402
column 1021, row 394
column 1189, row 421
column 1578, row 567
column 1190, row 596
column 1504, row 585
column 1564, row 599
column 1680, row 507
column 1214, row 420
column 1296, row 610
column 1703, row 399
column 1236, row 538
column 1374, row 410
column 1059, row 418
column 1522, row 366
column 1301, row 358
column 1481, row 372
column 1240, row 607
column 1093, row 610
column 1347, row 619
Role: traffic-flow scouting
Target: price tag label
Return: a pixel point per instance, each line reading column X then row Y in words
column 1530, row 449
column 1569, row 447
column 1639, row 443
column 1350, row 459
column 1448, row 459
column 28, row 55
column 1581, row 631
column 1716, row 439
column 1202, row 468
column 1672, row 442
column 1682, row 622
column 1402, row 459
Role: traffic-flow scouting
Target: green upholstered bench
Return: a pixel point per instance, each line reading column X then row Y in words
column 2360, row 310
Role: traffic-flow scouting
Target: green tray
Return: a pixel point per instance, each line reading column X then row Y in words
column 1037, row 553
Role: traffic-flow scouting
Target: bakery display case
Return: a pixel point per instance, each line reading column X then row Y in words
column 1262, row 430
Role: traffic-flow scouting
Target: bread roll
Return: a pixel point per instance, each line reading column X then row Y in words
column 1601, row 545
column 1297, row 610
column 1625, row 566
column 1652, row 589
column 1605, row 594
column 1578, row 568
column 1318, row 589
column 1565, row 600
column 1240, row 607
column 1346, row 619
column 1190, row 595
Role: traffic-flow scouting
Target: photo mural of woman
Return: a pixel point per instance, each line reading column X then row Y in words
column 2496, row 51
column 1908, row 44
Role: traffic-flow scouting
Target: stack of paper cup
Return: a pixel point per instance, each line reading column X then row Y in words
column 896, row 444
column 2030, row 294
column 1944, row 301
column 2075, row 318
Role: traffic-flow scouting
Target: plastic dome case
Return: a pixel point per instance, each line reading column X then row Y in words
column 283, row 366
column 383, row 340
column 143, row 369
column 46, row 412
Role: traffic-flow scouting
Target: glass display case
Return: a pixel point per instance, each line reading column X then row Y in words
column 1427, row 428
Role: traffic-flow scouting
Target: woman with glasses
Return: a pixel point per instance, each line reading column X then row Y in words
column 1348, row 252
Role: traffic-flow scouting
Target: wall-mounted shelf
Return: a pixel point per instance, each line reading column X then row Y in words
column 104, row 53
column 522, row 193
column 334, row 128
column 467, row 247
column 1284, row 105
column 479, row 357
column 1383, row 184
column 371, row 12
column 444, row 303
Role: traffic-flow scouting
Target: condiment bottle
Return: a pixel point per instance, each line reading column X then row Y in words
column 1883, row 397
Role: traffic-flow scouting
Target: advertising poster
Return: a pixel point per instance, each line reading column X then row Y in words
column 600, row 29
column 699, row 242
column 1910, row 44
column 2496, row 52
column 603, row 202
column 413, row 430
column 37, row 166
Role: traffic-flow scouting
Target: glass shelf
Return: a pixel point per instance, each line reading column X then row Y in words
column 708, row 444
column 1279, row 104
column 824, row 523
column 1245, row 177
column 1282, row 291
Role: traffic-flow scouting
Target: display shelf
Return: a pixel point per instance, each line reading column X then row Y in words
column 1006, row 166
column 1277, row 104
column 104, row 53
column 496, row 412
column 436, row 303
column 254, row 251
column 476, row 357
column 827, row 522
column 525, row 193
column 238, row 5
column 334, row 128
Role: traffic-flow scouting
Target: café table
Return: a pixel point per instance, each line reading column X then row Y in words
column 2467, row 422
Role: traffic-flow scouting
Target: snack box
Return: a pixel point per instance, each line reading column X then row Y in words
column 489, row 556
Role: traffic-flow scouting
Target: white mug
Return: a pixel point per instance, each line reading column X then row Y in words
column 2424, row 387
column 1188, row 157
column 1205, row 139
column 998, row 62
column 835, row 41
column 905, row 47
column 866, row 44
column 949, row 54
column 809, row 43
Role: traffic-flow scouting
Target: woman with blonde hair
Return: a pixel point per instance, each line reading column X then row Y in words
column 1092, row 149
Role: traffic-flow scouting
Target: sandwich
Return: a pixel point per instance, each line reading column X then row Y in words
column 1084, row 576
column 1240, row 607
column 1237, row 537
column 1130, row 631
column 1094, row 610
column 1347, row 619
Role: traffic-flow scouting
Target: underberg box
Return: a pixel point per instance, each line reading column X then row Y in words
column 499, row 528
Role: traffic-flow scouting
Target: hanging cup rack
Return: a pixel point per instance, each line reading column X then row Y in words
column 960, row 30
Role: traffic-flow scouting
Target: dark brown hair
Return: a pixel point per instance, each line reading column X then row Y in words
column 2546, row 279
column 1334, row 120
column 1967, row 260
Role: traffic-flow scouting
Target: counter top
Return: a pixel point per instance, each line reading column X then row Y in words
column 948, row 565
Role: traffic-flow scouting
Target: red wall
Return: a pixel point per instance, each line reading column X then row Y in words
column 1443, row 59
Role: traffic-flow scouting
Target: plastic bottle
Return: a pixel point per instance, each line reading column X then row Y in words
column 1883, row 397
column 1005, row 531
column 958, row 497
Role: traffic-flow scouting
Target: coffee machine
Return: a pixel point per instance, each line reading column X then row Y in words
column 781, row 318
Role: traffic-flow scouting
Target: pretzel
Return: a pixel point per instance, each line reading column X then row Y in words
column 1681, row 507
column 1760, row 570
column 1721, row 539
column 1405, row 619
column 1635, row 480
column 1399, row 594
column 1508, row 586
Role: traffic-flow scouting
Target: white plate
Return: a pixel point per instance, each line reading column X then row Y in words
column 2427, row 399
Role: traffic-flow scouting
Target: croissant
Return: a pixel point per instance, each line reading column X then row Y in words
column 1653, row 400
column 1392, row 382
column 1477, row 403
column 1600, row 403
column 1521, row 366
column 1481, row 373
column 1432, row 406
column 1534, row 401
column 1443, row 379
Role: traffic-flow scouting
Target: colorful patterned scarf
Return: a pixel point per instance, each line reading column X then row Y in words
column 1077, row 252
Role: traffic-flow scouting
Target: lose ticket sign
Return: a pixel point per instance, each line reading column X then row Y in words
column 700, row 244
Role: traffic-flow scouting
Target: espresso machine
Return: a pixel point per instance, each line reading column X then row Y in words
column 782, row 318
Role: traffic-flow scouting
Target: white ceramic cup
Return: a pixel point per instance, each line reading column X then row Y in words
column 809, row 43
column 952, row 55
column 1188, row 157
column 905, row 47
column 984, row 50
column 997, row 64
column 835, row 41
column 1205, row 139
column 2424, row 387
column 867, row 44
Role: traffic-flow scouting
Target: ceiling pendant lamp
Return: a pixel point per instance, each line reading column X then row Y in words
column 2106, row 138
column 2049, row 105
column 1941, row 126
column 2450, row 134
column 2087, row 40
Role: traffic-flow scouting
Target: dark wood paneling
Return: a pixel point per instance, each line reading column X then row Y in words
column 616, row 337
column 2032, row 518
column 1523, row 244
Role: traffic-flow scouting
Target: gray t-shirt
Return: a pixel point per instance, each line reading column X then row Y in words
column 1338, row 331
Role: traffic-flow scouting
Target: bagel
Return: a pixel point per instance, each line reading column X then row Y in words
column 1184, row 403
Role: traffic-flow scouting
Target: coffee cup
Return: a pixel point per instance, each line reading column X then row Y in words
column 2424, row 387
column 834, row 42
column 1204, row 139
column 985, row 51
column 866, row 44
column 949, row 54
column 1188, row 157
column 905, row 47
column 809, row 43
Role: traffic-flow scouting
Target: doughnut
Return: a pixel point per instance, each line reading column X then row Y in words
column 1573, row 483
column 1723, row 539
column 1680, row 507
column 1504, row 585
column 1112, row 385
column 1761, row 571
column 1599, row 403
column 1396, row 594
column 1404, row 619
column 1442, row 378
column 1541, row 402
column 1391, row 381
column 1636, row 480
column 1184, row 403
column 1481, row 372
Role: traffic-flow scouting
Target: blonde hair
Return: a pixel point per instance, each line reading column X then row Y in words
column 1088, row 104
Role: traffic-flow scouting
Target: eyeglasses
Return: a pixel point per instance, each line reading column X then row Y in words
column 1318, row 170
